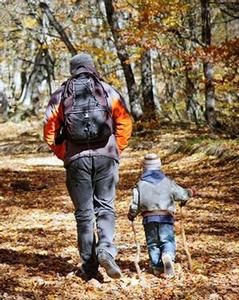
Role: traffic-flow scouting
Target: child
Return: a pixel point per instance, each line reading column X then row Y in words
column 154, row 197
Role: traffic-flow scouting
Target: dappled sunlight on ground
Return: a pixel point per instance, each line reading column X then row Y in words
column 38, row 253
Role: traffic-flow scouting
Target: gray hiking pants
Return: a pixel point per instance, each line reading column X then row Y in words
column 91, row 183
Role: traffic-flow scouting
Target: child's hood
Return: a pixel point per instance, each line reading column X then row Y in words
column 152, row 176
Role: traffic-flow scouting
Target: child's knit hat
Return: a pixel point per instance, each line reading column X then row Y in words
column 151, row 162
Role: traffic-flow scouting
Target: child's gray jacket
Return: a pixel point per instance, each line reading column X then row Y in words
column 156, row 192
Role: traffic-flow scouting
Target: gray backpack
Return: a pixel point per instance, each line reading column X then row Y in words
column 87, row 116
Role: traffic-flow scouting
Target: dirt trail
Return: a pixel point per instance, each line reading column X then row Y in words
column 38, row 253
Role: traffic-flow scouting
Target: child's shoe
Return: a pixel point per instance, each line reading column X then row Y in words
column 168, row 265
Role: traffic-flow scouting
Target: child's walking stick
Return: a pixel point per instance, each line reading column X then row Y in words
column 184, row 239
column 137, row 258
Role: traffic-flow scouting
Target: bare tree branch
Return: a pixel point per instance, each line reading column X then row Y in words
column 58, row 27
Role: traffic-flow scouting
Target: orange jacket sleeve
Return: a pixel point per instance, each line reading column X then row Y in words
column 122, row 123
column 53, row 122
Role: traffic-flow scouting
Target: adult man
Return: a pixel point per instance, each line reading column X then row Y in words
column 91, row 168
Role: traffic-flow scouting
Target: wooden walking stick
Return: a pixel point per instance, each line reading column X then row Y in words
column 184, row 239
column 137, row 258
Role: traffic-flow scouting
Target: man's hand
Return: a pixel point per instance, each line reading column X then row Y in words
column 130, row 217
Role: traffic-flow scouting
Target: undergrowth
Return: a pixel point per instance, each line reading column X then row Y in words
column 220, row 148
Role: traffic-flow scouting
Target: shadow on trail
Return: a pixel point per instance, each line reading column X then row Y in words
column 129, row 266
column 47, row 264
column 216, row 228
column 40, row 188
column 9, row 288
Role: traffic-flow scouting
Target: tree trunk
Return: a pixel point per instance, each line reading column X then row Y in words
column 208, row 66
column 58, row 27
column 3, row 106
column 123, row 57
column 147, row 85
column 192, row 106
column 42, row 70
column 209, row 95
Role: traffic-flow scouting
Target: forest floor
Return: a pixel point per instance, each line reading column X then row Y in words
column 38, row 253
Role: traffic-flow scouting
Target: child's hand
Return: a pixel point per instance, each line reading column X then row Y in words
column 130, row 217
column 192, row 192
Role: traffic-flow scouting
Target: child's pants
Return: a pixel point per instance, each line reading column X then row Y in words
column 160, row 240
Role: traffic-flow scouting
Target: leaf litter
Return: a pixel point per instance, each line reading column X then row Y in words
column 38, row 253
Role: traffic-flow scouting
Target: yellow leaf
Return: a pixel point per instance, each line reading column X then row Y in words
column 29, row 22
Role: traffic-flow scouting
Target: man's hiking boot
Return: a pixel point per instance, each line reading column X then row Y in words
column 168, row 265
column 88, row 276
column 157, row 271
column 108, row 263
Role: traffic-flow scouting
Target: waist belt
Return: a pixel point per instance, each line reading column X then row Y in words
column 163, row 219
column 157, row 212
